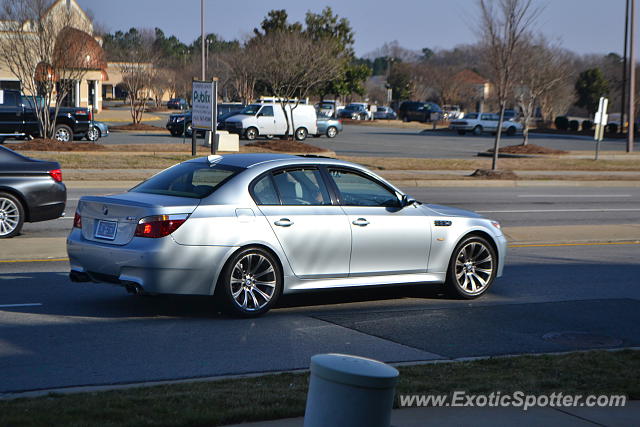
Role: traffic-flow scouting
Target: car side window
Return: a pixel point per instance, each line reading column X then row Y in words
column 264, row 192
column 301, row 187
column 267, row 111
column 358, row 190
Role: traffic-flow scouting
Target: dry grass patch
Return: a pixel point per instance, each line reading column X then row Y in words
column 41, row 144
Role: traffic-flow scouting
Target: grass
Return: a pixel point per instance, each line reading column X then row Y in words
column 283, row 395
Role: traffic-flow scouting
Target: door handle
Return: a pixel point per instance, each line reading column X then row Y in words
column 284, row 222
column 362, row 222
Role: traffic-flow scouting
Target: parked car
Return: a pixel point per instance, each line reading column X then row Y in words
column 268, row 119
column 354, row 111
column 419, row 111
column 385, row 113
column 180, row 123
column 247, row 228
column 177, row 104
column 330, row 107
column 96, row 131
column 509, row 115
column 451, row 112
column 18, row 118
column 328, row 125
column 30, row 191
column 484, row 122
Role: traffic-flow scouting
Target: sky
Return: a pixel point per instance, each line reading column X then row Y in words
column 583, row 26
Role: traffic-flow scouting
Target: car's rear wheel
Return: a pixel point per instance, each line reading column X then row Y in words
column 332, row 131
column 477, row 130
column 251, row 283
column 301, row 134
column 472, row 268
column 251, row 134
column 93, row 134
column 11, row 216
column 63, row 133
column 176, row 133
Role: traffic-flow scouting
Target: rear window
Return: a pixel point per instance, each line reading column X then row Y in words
column 196, row 180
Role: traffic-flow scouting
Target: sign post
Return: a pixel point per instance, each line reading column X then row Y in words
column 600, row 121
column 203, row 111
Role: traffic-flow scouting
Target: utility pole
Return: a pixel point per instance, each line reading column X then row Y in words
column 623, row 99
column 202, row 36
column 632, row 78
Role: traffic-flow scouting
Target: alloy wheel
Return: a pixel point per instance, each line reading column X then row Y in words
column 62, row 135
column 332, row 132
column 253, row 282
column 9, row 216
column 474, row 267
column 93, row 134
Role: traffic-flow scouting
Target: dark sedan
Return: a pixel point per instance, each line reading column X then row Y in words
column 30, row 191
column 177, row 104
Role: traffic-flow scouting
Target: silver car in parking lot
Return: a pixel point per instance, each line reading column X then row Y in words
column 248, row 227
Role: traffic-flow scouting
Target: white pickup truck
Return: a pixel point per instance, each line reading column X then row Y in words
column 484, row 122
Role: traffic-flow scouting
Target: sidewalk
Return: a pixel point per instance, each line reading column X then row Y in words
column 441, row 416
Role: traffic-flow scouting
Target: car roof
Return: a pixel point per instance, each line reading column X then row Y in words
column 248, row 160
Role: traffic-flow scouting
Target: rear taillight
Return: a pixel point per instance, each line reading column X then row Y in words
column 56, row 174
column 159, row 225
column 77, row 221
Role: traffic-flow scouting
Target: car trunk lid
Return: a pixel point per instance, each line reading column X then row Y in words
column 113, row 219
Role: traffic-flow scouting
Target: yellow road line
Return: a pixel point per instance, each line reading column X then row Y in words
column 543, row 245
column 34, row 260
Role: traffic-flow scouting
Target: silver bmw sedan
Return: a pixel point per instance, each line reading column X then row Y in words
column 246, row 228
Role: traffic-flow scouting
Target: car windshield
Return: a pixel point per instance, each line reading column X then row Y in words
column 191, row 179
column 251, row 110
column 471, row 116
column 353, row 107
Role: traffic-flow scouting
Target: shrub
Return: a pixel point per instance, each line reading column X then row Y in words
column 562, row 123
column 587, row 125
column 612, row 128
column 574, row 125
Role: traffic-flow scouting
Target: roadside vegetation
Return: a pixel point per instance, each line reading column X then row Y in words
column 278, row 396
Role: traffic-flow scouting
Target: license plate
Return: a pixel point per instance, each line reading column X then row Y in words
column 106, row 229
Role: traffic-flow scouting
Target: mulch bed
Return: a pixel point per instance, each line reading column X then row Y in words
column 285, row 146
column 40, row 144
column 528, row 149
column 137, row 126
column 494, row 174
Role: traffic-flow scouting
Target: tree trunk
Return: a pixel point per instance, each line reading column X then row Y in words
column 496, row 144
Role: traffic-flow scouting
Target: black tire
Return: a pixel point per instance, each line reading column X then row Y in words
column 239, row 278
column 301, row 134
column 332, row 132
column 462, row 132
column 251, row 134
column 93, row 134
column 477, row 130
column 11, row 216
column 63, row 133
column 473, row 261
column 511, row 131
column 175, row 133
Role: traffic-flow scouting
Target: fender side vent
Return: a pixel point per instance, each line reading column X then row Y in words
column 442, row 223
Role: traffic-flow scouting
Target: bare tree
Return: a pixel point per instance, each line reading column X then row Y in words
column 503, row 26
column 244, row 73
column 540, row 68
column 291, row 65
column 138, row 72
column 48, row 51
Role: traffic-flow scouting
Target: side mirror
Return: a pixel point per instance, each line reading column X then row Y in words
column 407, row 200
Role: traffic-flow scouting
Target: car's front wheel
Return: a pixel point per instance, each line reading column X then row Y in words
column 511, row 130
column 332, row 131
column 251, row 134
column 93, row 134
column 251, row 283
column 472, row 268
column 477, row 130
column 11, row 216
column 63, row 133
column 301, row 134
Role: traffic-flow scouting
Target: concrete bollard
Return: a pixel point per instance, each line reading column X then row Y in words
column 349, row 391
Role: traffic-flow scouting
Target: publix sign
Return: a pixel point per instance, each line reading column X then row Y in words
column 203, row 105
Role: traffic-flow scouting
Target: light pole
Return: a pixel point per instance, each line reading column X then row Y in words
column 202, row 36
column 624, row 68
column 632, row 78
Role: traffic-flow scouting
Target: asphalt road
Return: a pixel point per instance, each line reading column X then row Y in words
column 54, row 333
column 521, row 206
column 357, row 140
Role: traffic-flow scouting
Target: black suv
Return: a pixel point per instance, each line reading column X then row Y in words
column 418, row 111
column 180, row 123
column 18, row 119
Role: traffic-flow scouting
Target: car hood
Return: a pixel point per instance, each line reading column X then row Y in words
column 450, row 211
column 238, row 117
